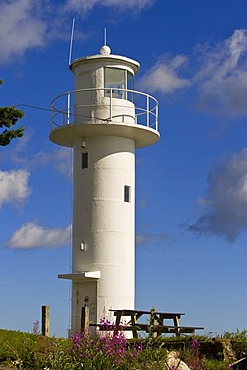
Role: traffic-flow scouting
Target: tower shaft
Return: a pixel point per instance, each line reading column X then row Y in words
column 103, row 220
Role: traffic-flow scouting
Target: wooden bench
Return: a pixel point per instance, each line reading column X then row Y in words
column 156, row 325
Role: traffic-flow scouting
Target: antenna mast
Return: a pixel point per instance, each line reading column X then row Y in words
column 71, row 40
column 105, row 37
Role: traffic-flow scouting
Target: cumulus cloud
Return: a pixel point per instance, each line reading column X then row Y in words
column 217, row 73
column 21, row 28
column 30, row 235
column 28, row 24
column 225, row 208
column 14, row 186
column 163, row 77
column 222, row 78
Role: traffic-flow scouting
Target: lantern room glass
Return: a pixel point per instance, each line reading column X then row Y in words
column 119, row 80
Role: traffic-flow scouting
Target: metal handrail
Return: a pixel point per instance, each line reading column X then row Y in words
column 146, row 114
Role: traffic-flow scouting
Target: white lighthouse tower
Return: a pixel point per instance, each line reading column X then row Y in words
column 104, row 120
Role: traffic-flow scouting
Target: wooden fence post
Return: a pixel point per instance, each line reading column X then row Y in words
column 153, row 323
column 46, row 321
column 84, row 319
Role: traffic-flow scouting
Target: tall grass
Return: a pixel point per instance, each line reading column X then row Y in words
column 104, row 352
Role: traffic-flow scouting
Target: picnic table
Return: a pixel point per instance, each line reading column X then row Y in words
column 155, row 326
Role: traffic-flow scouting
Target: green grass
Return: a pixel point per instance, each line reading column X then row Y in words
column 34, row 351
column 11, row 342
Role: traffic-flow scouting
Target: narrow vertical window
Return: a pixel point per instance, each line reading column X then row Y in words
column 84, row 160
column 127, row 193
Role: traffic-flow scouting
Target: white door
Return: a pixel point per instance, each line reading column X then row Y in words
column 83, row 295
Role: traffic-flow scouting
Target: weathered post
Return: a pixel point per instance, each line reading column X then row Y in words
column 46, row 321
column 84, row 319
column 153, row 323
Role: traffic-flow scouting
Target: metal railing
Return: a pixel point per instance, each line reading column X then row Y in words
column 64, row 105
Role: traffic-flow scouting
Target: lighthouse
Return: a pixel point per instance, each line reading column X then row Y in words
column 104, row 120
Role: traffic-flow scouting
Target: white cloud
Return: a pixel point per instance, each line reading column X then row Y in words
column 217, row 73
column 60, row 157
column 28, row 24
column 225, row 209
column 222, row 78
column 163, row 76
column 21, row 28
column 14, row 186
column 31, row 235
column 86, row 5
column 63, row 161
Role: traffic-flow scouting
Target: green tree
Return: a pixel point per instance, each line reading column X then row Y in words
column 9, row 116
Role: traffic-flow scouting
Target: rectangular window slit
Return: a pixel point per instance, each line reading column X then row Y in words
column 127, row 193
column 84, row 160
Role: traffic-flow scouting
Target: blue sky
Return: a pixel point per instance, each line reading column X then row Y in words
column 191, row 187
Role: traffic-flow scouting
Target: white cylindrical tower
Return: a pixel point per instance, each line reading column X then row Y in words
column 109, row 119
